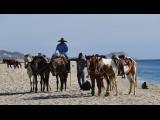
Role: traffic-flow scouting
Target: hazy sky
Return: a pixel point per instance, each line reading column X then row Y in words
column 136, row 34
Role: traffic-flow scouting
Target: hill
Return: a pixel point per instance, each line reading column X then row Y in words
column 10, row 55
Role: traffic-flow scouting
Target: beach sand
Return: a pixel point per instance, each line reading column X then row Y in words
column 15, row 87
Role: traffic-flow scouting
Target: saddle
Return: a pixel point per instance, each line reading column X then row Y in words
column 65, row 58
column 123, row 59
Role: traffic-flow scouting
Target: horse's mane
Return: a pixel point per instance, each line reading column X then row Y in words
column 38, row 57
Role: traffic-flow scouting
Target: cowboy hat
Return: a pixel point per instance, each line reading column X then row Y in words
column 62, row 40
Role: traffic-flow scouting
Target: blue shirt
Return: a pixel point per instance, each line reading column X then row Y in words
column 62, row 48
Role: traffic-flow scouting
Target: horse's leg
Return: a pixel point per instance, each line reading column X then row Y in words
column 33, row 85
column 57, row 81
column 17, row 66
column 108, row 86
column 115, row 85
column 36, row 82
column 47, row 81
column 134, row 83
column 65, row 82
column 30, row 83
column 20, row 65
column 99, row 84
column 41, row 82
column 61, row 80
column 93, row 86
column 111, row 85
column 135, row 87
column 130, row 82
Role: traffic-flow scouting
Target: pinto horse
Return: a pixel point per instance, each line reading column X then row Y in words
column 108, row 68
column 130, row 70
column 13, row 62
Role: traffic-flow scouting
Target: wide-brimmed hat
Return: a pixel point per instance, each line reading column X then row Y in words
column 62, row 40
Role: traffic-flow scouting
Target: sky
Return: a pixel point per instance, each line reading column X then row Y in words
column 138, row 35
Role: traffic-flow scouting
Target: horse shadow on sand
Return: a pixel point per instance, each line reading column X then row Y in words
column 61, row 96
column 64, row 96
column 13, row 93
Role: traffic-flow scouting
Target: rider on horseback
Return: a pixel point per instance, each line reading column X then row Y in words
column 61, row 50
column 62, row 47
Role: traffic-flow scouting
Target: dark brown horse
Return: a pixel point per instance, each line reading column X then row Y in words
column 59, row 69
column 40, row 67
column 10, row 62
column 92, row 66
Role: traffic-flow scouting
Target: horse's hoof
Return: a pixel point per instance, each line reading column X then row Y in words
column 107, row 94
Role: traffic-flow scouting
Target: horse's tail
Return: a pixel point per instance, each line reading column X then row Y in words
column 136, row 74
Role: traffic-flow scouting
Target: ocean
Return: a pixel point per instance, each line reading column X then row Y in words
column 149, row 71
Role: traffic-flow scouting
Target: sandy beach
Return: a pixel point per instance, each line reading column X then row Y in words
column 15, row 87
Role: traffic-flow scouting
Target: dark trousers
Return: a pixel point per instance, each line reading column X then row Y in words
column 80, row 77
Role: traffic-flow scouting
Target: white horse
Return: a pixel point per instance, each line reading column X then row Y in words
column 27, row 63
column 130, row 70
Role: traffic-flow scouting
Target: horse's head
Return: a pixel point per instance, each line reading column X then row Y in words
column 92, row 64
column 27, row 59
column 116, row 60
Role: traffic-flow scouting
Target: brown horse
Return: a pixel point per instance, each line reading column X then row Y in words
column 40, row 67
column 100, row 68
column 13, row 62
column 59, row 69
column 92, row 67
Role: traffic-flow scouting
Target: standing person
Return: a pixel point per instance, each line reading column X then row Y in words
column 81, row 64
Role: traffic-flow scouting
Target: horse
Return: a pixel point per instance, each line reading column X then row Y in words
column 130, row 70
column 11, row 62
column 27, row 64
column 94, row 74
column 59, row 69
column 109, row 68
column 41, row 67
